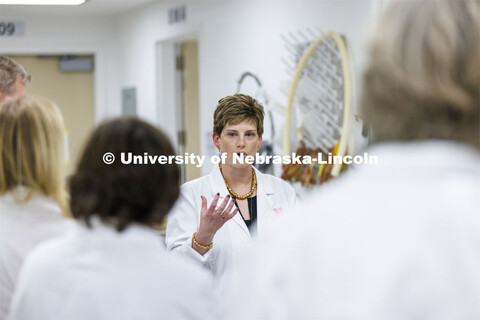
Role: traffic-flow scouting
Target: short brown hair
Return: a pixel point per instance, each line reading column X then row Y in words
column 9, row 71
column 235, row 109
column 31, row 148
column 121, row 194
column 422, row 81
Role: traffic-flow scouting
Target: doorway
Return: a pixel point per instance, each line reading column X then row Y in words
column 179, row 78
column 190, row 104
column 72, row 92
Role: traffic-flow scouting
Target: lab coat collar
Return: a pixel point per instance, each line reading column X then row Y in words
column 217, row 183
column 134, row 233
column 264, row 197
column 37, row 200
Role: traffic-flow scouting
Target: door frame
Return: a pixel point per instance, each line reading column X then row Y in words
column 169, row 93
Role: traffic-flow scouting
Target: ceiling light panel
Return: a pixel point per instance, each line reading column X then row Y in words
column 43, row 2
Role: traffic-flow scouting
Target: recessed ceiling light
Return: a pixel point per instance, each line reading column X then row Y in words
column 43, row 2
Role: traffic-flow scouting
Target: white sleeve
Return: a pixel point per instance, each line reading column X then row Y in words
column 183, row 220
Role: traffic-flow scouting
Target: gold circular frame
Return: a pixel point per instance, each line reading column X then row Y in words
column 347, row 97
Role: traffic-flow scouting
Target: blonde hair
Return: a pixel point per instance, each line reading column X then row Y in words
column 31, row 149
column 235, row 109
column 422, row 81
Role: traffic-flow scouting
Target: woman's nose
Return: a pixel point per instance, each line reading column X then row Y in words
column 241, row 141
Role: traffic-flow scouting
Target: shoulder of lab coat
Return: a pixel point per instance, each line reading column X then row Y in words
column 52, row 281
column 22, row 227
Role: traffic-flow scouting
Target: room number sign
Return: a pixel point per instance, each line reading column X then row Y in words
column 11, row 28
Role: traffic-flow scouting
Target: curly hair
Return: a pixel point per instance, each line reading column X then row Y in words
column 121, row 194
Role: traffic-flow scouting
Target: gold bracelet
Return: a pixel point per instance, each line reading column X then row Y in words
column 201, row 245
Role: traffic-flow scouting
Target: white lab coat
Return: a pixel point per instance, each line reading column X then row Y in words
column 22, row 227
column 102, row 274
column 273, row 197
column 397, row 240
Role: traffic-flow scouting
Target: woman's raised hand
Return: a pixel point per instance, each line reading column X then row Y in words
column 212, row 219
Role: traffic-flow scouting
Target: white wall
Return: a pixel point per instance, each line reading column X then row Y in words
column 233, row 36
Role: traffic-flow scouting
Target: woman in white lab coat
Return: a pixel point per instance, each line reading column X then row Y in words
column 32, row 189
column 218, row 214
column 114, row 264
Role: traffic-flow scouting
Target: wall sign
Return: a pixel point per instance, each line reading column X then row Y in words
column 12, row 29
column 178, row 14
column 129, row 101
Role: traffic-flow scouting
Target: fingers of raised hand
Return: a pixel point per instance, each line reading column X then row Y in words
column 231, row 215
column 213, row 205
column 223, row 212
column 230, row 206
column 227, row 214
column 204, row 203
column 221, row 209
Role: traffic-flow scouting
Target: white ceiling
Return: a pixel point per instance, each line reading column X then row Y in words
column 91, row 7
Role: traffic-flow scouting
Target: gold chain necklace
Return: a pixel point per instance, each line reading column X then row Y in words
column 236, row 195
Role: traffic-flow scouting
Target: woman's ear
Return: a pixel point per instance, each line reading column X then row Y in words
column 216, row 141
column 259, row 144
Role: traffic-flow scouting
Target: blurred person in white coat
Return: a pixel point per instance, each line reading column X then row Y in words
column 114, row 265
column 219, row 214
column 400, row 239
column 33, row 196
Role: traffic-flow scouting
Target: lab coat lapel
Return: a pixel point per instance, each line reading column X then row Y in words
column 265, row 201
column 217, row 184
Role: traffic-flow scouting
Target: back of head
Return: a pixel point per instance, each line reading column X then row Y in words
column 236, row 108
column 31, row 148
column 120, row 194
column 9, row 71
column 422, row 81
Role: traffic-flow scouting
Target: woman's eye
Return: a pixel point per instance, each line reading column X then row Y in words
column 232, row 134
column 250, row 134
